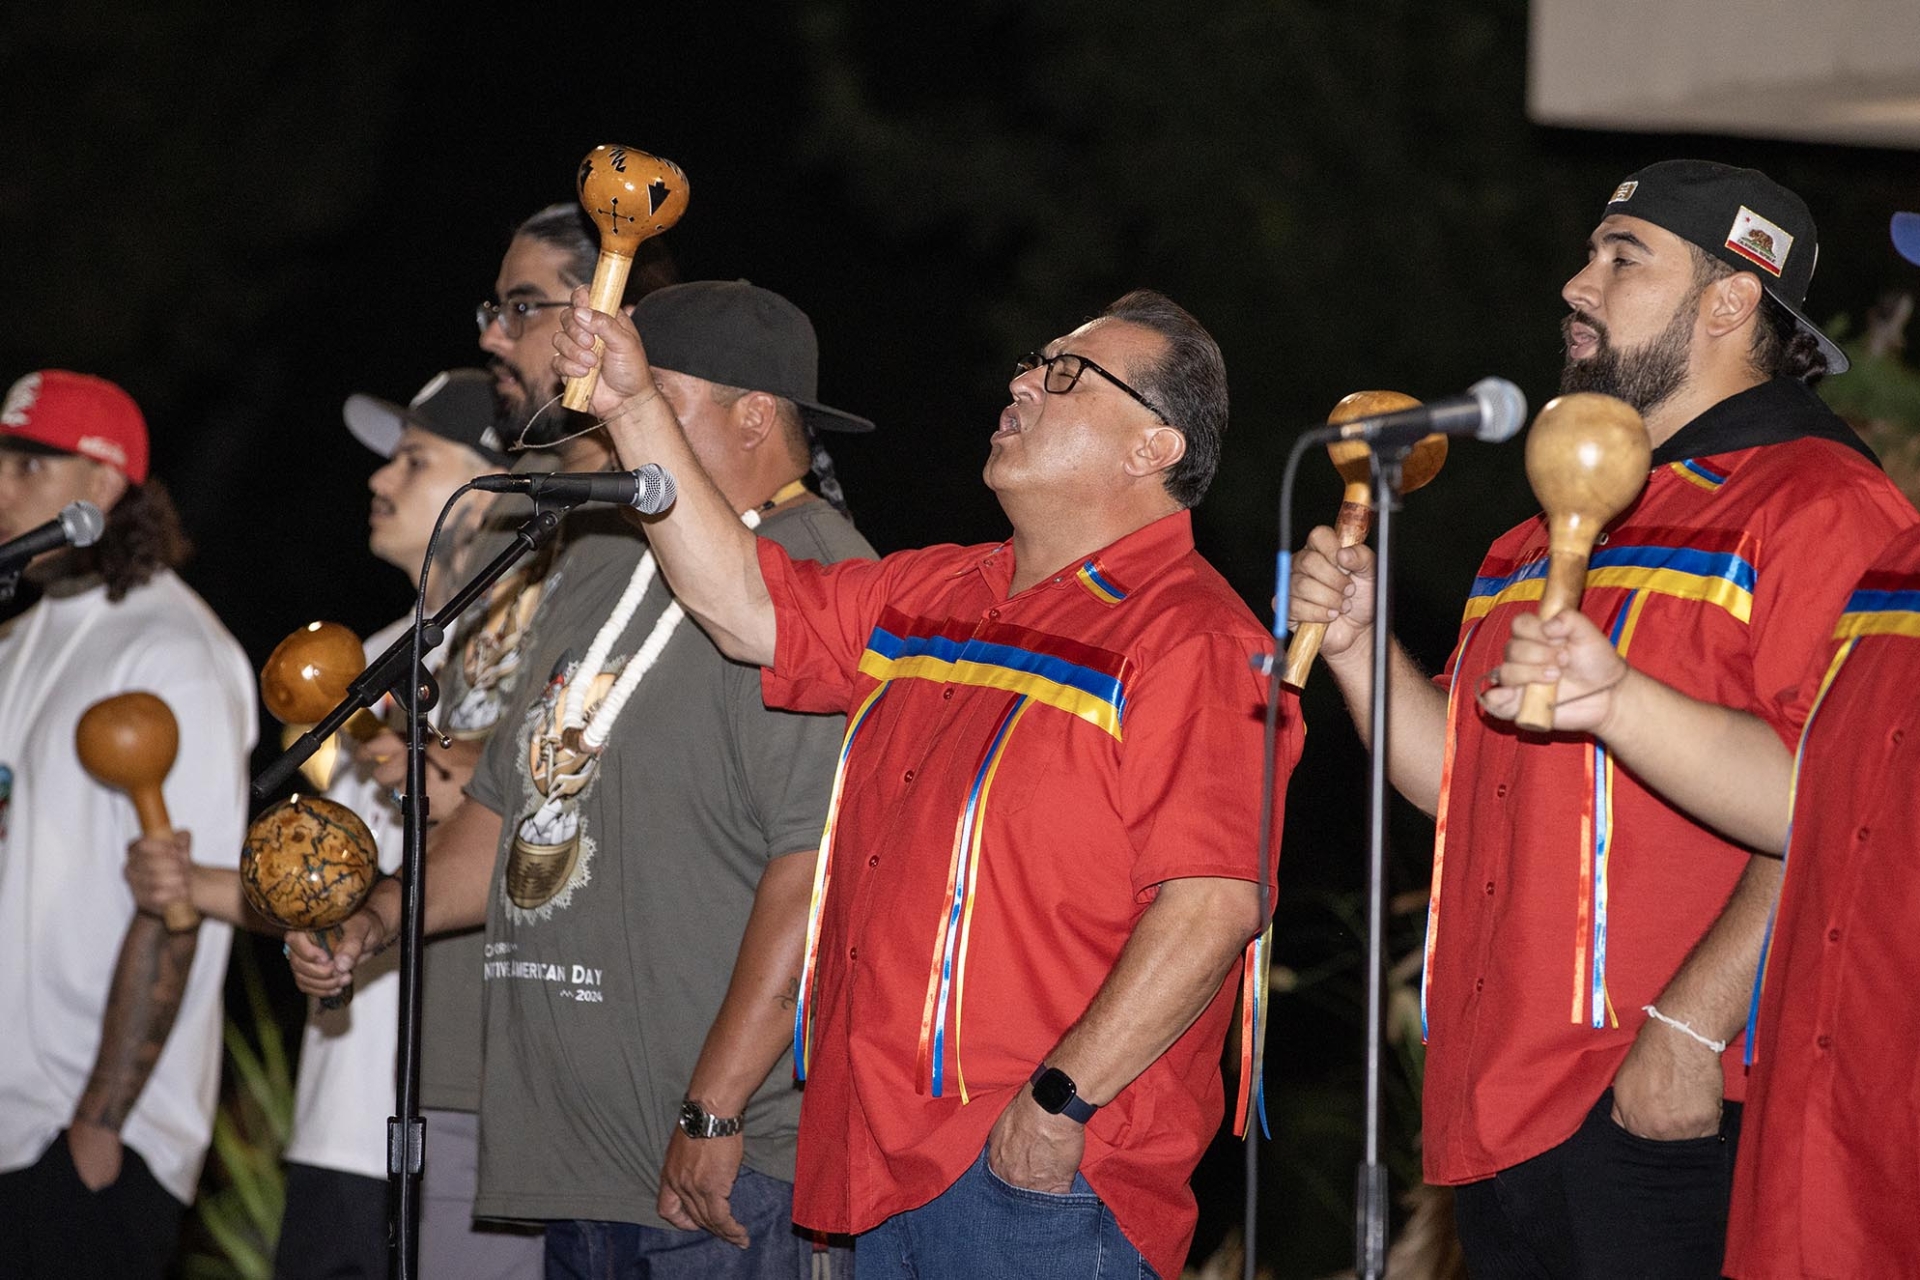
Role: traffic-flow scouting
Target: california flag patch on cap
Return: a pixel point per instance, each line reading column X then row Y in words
column 1759, row 241
column 1623, row 192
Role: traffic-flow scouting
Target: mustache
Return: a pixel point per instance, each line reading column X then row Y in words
column 1582, row 318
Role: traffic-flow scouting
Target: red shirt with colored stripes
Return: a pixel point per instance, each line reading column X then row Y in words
column 1020, row 774
column 1827, row 1170
column 1565, row 894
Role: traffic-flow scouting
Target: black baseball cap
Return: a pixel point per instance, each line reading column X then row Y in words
column 739, row 335
column 456, row 405
column 1740, row 217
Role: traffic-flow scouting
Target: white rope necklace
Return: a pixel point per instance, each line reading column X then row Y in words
column 591, row 729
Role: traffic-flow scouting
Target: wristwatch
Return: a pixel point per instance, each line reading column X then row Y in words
column 696, row 1123
column 1057, row 1094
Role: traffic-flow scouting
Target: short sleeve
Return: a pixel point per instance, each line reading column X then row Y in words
column 824, row 614
column 786, row 761
column 1193, row 763
column 206, row 791
column 1809, row 566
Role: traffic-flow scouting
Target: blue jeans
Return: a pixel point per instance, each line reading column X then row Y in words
column 984, row 1228
column 582, row 1250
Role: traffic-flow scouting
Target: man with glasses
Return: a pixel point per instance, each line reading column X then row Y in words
column 639, row 840
column 1041, row 866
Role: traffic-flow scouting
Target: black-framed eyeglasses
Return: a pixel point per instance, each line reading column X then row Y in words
column 511, row 317
column 1064, row 370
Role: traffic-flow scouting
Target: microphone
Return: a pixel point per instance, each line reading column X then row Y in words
column 79, row 524
column 650, row 490
column 1492, row 410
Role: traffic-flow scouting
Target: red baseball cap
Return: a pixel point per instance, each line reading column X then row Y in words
column 78, row 413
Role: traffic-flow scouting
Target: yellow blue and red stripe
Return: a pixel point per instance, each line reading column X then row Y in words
column 1440, row 824
column 947, row 976
column 822, row 880
column 1639, row 560
column 1698, row 474
column 1592, row 1003
column 1884, row 604
column 1079, row 679
column 1101, row 584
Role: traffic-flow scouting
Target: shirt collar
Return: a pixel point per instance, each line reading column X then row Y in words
column 1111, row 573
column 1774, row 412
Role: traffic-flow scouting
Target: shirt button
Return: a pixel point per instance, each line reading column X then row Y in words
column 1863, row 833
column 1825, row 1042
column 1489, row 888
column 853, row 953
column 907, row 776
column 1899, row 736
column 1501, row 790
column 1833, row 935
column 947, row 692
column 1479, row 984
column 874, row 861
column 993, row 613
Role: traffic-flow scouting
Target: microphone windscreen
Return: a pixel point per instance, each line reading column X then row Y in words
column 82, row 523
column 1503, row 409
column 654, row 491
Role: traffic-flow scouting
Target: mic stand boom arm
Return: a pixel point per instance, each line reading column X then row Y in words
column 387, row 673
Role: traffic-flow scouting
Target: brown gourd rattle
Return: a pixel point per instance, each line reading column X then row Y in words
column 631, row 196
column 309, row 863
column 128, row 742
column 1587, row 460
column 1353, row 459
column 305, row 677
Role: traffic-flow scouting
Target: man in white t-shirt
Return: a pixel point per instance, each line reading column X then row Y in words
column 335, row 1223
column 110, row 1051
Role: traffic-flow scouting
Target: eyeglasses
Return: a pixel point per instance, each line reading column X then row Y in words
column 1064, row 370
column 512, row 317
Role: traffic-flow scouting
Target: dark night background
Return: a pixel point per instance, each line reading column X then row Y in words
column 245, row 216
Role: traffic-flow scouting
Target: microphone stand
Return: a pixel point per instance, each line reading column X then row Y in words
column 406, row 1131
column 1370, row 1227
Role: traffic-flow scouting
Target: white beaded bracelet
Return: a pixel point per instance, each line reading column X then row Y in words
column 1718, row 1046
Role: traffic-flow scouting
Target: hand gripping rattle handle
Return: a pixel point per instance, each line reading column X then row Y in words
column 128, row 742
column 1354, row 461
column 631, row 196
column 1587, row 460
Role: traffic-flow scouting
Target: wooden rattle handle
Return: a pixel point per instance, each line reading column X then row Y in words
column 1351, row 526
column 151, row 807
column 1566, row 583
column 326, row 938
column 609, row 286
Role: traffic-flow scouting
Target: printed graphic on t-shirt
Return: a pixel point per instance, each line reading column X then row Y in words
column 553, row 849
column 490, row 656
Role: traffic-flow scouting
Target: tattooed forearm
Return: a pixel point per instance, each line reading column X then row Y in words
column 148, row 983
column 790, row 994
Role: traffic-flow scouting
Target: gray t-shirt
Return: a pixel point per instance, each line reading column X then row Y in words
column 479, row 680
column 623, row 887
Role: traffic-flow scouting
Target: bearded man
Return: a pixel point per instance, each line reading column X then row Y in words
column 1596, row 914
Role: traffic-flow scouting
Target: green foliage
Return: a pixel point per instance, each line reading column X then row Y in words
column 239, row 1209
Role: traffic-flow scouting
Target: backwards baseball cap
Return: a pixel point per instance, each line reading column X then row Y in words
column 78, row 413
column 1906, row 236
column 739, row 335
column 1741, row 217
column 456, row 405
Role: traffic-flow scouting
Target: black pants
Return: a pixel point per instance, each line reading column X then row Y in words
column 52, row 1226
column 1604, row 1205
column 334, row 1226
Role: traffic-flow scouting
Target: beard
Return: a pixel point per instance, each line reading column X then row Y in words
column 533, row 418
column 1643, row 377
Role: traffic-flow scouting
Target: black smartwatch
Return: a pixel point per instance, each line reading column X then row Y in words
column 1057, row 1095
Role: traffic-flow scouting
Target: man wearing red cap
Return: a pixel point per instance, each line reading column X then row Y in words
column 110, row 1064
